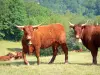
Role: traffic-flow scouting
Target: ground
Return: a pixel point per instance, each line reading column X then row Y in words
column 79, row 63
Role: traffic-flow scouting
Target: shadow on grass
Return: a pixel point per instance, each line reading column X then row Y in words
column 87, row 64
column 18, row 63
column 14, row 49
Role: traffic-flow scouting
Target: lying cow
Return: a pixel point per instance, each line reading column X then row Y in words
column 10, row 54
column 77, row 50
column 7, row 57
column 18, row 55
column 43, row 37
column 90, row 36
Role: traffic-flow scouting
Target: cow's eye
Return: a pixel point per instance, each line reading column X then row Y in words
column 25, row 32
column 23, row 29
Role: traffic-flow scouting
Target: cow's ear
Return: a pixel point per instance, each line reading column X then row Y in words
column 83, row 27
column 20, row 27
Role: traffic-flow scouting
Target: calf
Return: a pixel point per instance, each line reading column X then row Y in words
column 7, row 57
column 18, row 55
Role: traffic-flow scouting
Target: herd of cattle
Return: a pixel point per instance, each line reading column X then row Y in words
column 54, row 35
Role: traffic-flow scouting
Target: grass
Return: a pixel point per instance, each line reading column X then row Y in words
column 79, row 63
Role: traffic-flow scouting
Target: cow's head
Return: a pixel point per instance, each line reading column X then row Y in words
column 10, row 55
column 28, row 31
column 78, row 29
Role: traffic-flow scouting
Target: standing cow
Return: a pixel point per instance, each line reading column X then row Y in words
column 43, row 37
column 90, row 36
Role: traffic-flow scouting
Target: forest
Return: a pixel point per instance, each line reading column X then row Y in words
column 34, row 12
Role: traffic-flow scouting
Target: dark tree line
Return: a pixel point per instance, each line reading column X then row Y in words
column 85, row 7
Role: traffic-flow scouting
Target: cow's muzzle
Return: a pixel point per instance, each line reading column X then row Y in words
column 28, row 37
column 29, row 43
column 77, row 37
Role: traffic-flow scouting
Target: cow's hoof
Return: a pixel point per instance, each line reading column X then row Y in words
column 50, row 63
column 94, row 63
column 66, row 63
column 27, row 64
column 38, row 64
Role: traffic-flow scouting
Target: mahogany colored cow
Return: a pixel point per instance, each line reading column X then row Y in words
column 77, row 50
column 18, row 55
column 6, row 57
column 90, row 36
column 43, row 37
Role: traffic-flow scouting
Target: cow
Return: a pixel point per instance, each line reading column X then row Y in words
column 90, row 37
column 39, row 37
column 18, row 55
column 10, row 54
column 7, row 57
column 77, row 50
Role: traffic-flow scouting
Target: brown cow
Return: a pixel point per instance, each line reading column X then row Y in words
column 43, row 37
column 77, row 50
column 90, row 36
column 7, row 57
column 10, row 54
column 18, row 55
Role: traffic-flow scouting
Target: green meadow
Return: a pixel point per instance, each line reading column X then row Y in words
column 79, row 63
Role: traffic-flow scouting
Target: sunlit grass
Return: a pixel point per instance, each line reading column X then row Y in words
column 79, row 64
column 8, row 46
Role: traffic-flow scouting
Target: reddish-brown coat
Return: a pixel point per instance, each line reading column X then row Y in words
column 43, row 37
column 90, row 36
column 18, row 55
column 7, row 57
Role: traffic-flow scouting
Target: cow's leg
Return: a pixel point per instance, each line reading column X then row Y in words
column 37, row 51
column 94, row 52
column 94, row 56
column 55, row 50
column 24, row 57
column 65, row 49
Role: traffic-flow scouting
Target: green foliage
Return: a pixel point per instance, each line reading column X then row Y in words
column 97, row 19
column 12, row 14
column 36, row 14
column 71, row 41
column 46, row 52
column 84, row 7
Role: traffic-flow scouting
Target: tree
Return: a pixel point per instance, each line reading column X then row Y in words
column 36, row 14
column 97, row 7
column 89, row 7
column 13, row 13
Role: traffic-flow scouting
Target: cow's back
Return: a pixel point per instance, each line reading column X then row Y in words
column 50, row 34
column 91, row 35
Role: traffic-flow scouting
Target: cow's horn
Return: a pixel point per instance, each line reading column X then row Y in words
column 97, row 23
column 71, row 24
column 19, row 26
column 85, row 23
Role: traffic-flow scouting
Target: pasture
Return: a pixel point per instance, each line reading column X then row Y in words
column 79, row 63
